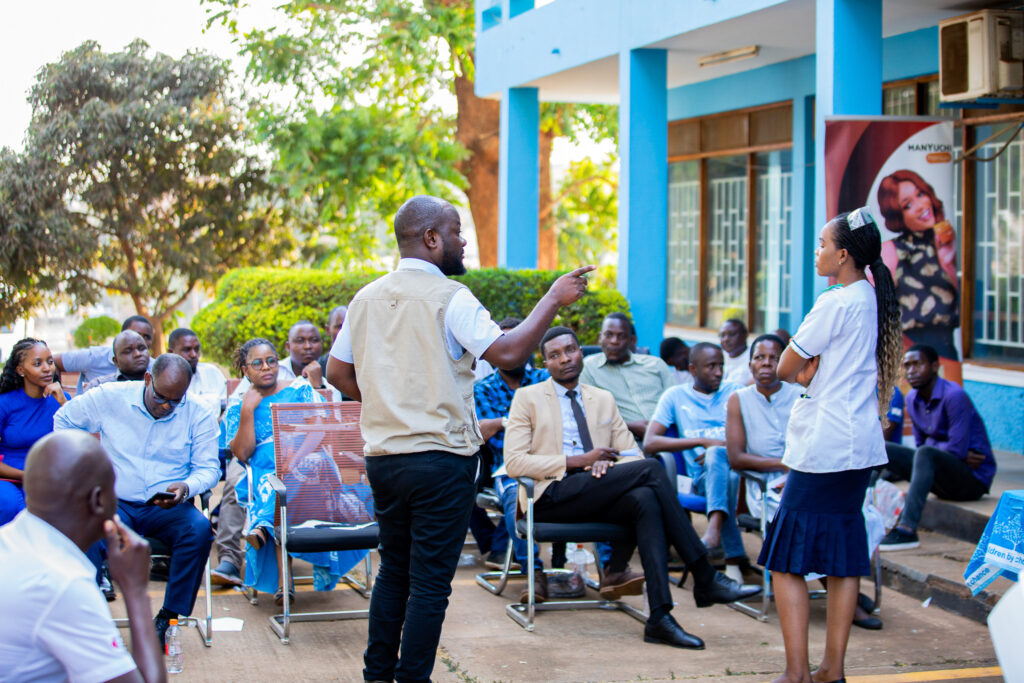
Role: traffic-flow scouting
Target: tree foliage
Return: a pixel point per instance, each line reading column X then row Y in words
column 381, row 106
column 94, row 331
column 136, row 179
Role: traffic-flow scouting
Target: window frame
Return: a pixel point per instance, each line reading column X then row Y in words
column 704, row 228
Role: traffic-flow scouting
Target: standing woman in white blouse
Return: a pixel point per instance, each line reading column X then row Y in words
column 847, row 354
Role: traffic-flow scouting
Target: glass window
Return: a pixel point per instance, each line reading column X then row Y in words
column 684, row 243
column 999, row 256
column 727, row 239
column 773, row 173
column 900, row 100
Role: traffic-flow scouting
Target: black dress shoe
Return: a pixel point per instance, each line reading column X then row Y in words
column 667, row 632
column 161, row 625
column 723, row 590
column 872, row 623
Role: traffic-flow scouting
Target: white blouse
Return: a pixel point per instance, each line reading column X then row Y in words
column 834, row 425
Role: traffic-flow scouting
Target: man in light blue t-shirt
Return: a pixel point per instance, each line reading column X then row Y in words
column 698, row 412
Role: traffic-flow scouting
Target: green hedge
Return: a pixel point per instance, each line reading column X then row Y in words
column 95, row 331
column 265, row 302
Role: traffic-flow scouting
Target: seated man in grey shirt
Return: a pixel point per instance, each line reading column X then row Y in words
column 98, row 361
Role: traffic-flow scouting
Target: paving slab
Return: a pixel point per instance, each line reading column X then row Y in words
column 481, row 644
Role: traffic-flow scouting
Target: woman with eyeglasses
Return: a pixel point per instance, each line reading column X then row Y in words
column 249, row 432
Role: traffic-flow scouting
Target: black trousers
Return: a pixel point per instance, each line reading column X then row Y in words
column 422, row 502
column 637, row 494
column 931, row 469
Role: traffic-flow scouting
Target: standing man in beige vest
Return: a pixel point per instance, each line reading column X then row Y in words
column 407, row 350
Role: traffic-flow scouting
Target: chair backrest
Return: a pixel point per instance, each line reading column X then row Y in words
column 318, row 449
column 326, row 393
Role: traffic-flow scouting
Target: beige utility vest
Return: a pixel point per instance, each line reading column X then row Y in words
column 415, row 396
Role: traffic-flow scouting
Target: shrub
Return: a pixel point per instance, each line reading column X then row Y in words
column 95, row 331
column 265, row 302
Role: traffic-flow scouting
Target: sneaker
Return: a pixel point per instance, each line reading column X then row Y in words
column 496, row 560
column 899, row 539
column 226, row 574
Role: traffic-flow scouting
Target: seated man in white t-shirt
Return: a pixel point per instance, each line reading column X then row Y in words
column 56, row 623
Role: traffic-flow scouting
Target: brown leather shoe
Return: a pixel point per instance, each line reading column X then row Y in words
column 614, row 586
column 540, row 590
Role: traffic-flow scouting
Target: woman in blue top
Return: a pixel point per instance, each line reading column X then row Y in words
column 249, row 432
column 847, row 354
column 30, row 393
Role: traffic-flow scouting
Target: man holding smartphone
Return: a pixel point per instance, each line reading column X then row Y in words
column 163, row 445
column 570, row 438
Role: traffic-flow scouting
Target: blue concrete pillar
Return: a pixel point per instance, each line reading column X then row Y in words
column 804, row 241
column 643, row 189
column 519, row 179
column 518, row 7
column 848, row 78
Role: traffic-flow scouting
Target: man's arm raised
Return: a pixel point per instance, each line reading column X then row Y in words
column 515, row 346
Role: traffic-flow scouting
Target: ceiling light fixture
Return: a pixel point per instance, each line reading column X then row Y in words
column 729, row 56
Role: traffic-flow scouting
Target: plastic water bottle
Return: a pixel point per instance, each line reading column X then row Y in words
column 175, row 656
column 578, row 556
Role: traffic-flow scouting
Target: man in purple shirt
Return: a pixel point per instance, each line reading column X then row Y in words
column 953, row 457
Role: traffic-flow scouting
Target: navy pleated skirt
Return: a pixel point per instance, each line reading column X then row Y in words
column 820, row 525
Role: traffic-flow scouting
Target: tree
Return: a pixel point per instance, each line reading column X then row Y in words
column 407, row 64
column 137, row 179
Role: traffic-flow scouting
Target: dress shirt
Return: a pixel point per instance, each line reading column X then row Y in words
column 636, row 384
column 493, row 398
column 147, row 453
column 948, row 421
column 572, row 444
column 468, row 325
column 56, row 626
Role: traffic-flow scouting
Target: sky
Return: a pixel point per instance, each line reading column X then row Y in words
column 33, row 35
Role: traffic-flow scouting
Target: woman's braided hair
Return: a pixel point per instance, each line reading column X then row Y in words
column 864, row 244
column 10, row 380
column 242, row 352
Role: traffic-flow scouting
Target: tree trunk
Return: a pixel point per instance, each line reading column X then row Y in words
column 547, row 238
column 477, row 127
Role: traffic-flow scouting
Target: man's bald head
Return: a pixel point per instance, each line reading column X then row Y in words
column 69, row 483
column 172, row 368
column 419, row 214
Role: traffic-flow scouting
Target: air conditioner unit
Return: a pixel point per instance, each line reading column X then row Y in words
column 981, row 55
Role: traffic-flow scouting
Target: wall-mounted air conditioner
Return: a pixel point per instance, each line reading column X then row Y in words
column 981, row 55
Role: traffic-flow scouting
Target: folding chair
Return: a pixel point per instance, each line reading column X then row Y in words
column 488, row 499
column 760, row 481
column 550, row 532
column 323, row 497
column 203, row 625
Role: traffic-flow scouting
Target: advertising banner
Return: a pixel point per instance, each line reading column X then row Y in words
column 901, row 168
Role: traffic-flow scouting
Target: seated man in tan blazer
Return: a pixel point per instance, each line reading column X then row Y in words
column 571, row 448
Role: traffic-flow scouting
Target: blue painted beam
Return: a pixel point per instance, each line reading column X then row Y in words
column 519, row 179
column 643, row 189
column 848, row 74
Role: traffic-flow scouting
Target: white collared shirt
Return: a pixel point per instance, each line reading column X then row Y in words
column 834, row 424
column 468, row 325
column 56, row 626
column 572, row 444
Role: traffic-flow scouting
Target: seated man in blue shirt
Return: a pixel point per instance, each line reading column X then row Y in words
column 953, row 457
column 493, row 395
column 698, row 411
column 163, row 445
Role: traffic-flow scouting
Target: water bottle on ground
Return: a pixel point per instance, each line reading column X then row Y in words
column 175, row 656
column 576, row 554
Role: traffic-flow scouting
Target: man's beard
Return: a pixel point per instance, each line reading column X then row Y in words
column 451, row 262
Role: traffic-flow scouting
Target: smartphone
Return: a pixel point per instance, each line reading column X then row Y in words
column 160, row 495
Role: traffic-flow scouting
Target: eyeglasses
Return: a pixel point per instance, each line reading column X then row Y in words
column 258, row 363
column 157, row 398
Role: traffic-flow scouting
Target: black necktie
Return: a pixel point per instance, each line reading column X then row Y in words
column 581, row 422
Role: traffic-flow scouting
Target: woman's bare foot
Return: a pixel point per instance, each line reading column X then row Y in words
column 786, row 678
column 825, row 676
